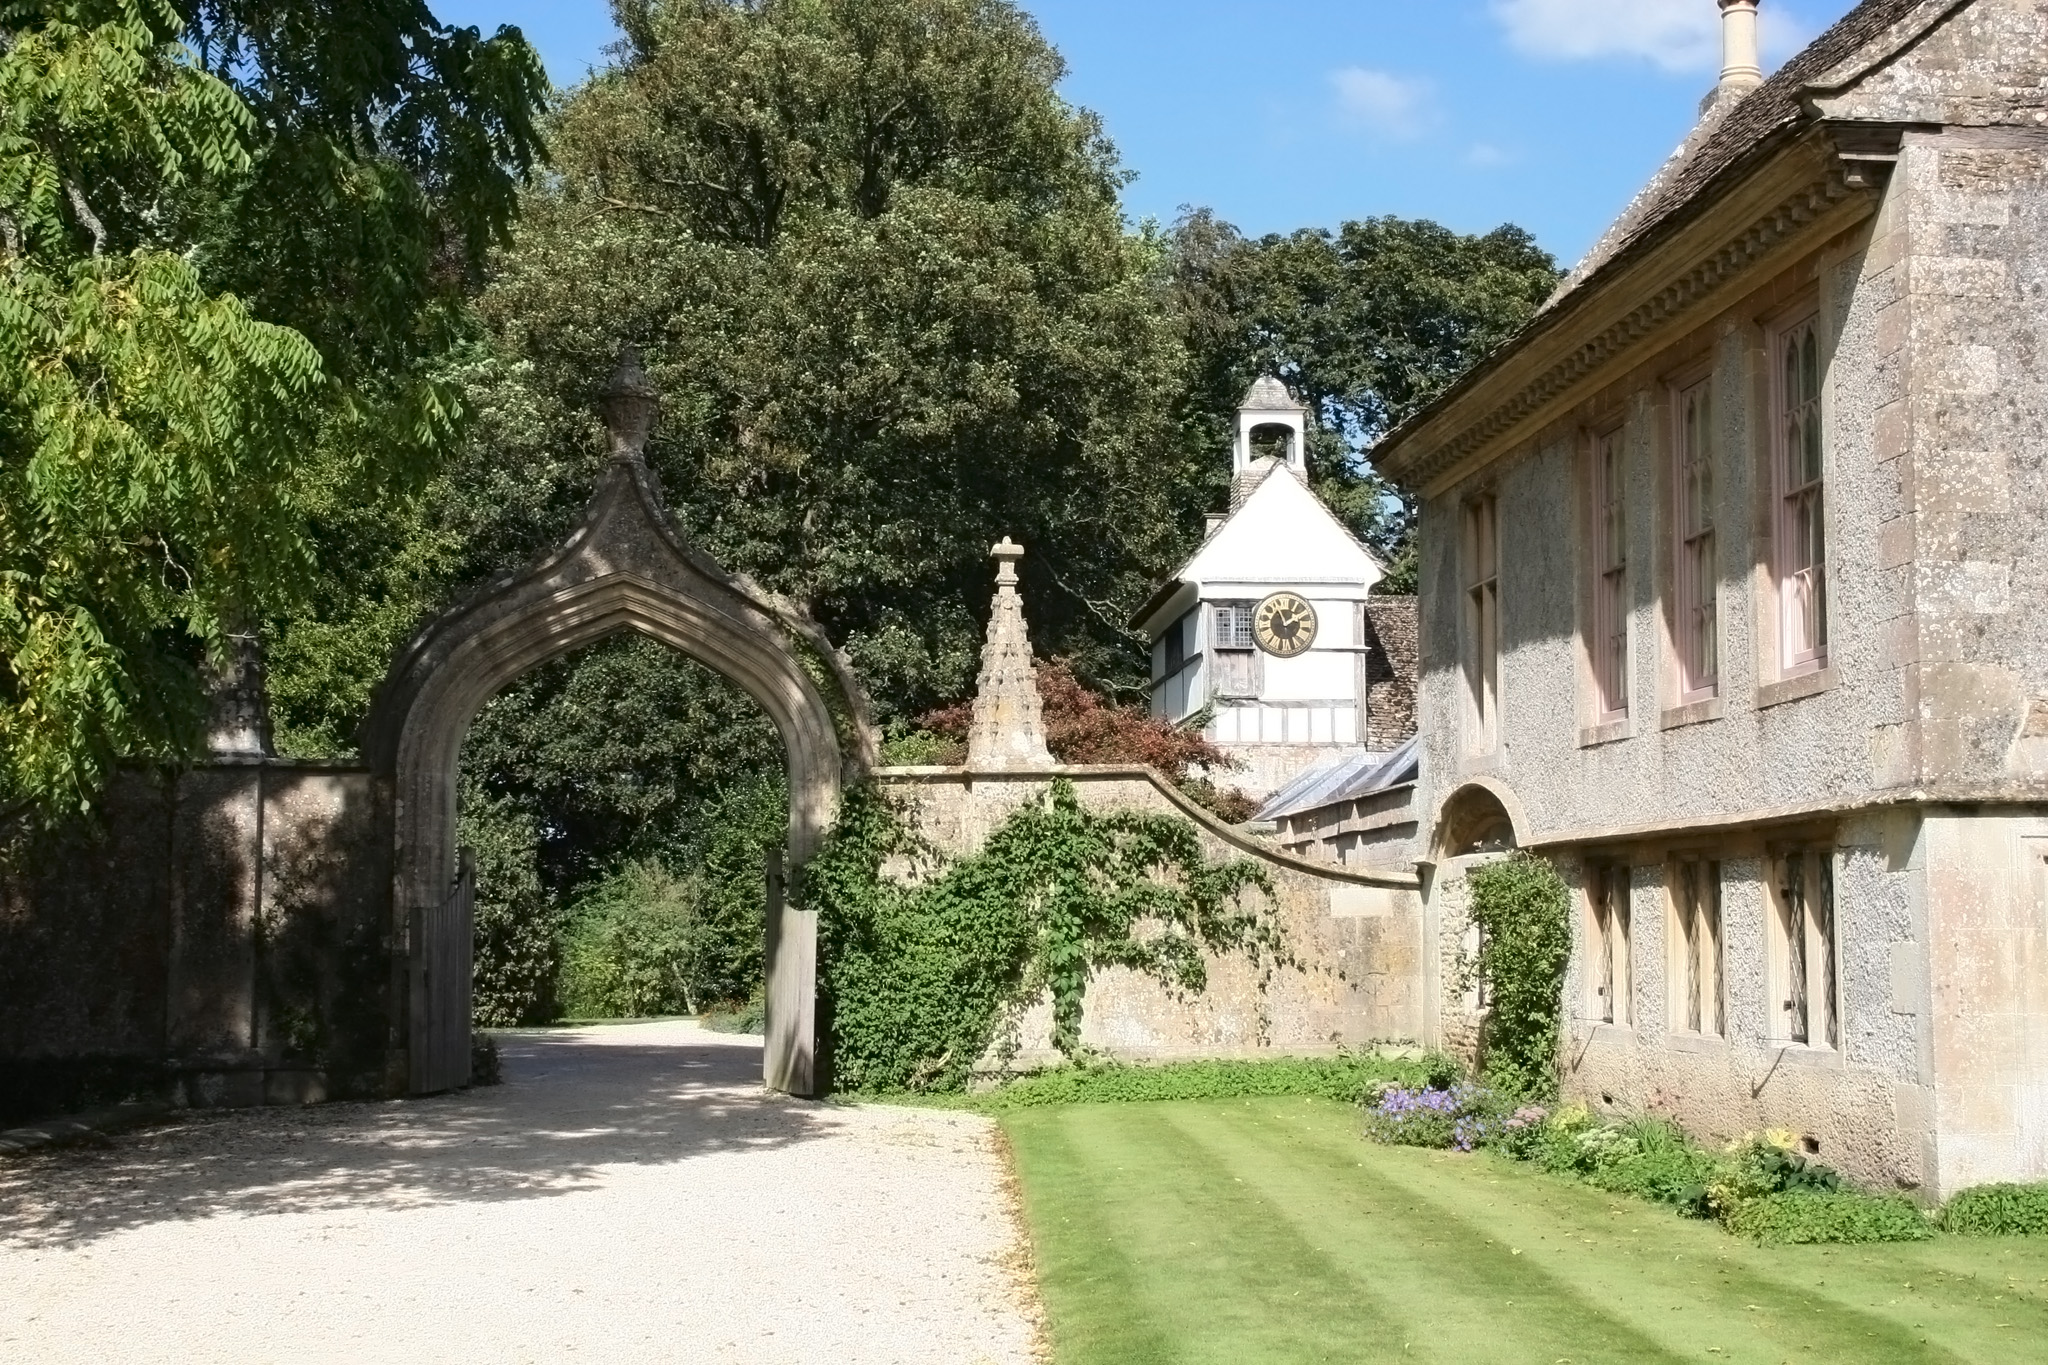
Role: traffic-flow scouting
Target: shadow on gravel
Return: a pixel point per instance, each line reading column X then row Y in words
column 571, row 1103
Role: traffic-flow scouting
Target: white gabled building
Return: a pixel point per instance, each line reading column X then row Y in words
column 1267, row 623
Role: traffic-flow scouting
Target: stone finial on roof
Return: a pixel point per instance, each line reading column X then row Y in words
column 1007, row 731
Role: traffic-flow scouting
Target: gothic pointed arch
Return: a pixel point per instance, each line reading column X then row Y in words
column 626, row 566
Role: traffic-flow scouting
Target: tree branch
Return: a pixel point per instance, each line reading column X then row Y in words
column 86, row 217
column 1101, row 611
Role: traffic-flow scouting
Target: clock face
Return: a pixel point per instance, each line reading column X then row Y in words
column 1284, row 625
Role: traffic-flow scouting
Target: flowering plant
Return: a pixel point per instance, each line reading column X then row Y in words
column 1463, row 1116
column 1522, row 1130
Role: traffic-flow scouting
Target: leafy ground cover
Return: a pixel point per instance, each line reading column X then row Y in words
column 1347, row 1077
column 1266, row 1229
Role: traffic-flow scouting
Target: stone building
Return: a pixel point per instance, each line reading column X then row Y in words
column 1733, row 565
column 1271, row 622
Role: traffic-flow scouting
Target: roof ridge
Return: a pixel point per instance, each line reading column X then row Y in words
column 1720, row 139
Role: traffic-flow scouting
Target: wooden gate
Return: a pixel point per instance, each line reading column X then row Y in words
column 443, row 942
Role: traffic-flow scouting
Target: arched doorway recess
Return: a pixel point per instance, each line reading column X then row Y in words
column 626, row 566
column 1480, row 817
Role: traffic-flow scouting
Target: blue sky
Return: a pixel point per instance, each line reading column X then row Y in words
column 1296, row 113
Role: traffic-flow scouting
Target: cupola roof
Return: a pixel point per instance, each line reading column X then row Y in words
column 1268, row 394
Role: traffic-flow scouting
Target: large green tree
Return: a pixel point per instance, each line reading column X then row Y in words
column 234, row 239
column 882, row 278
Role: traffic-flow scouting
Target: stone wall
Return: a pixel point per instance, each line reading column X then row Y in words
column 1357, row 935
column 218, row 937
column 1861, row 1103
column 1976, row 969
column 1377, row 829
column 1393, row 670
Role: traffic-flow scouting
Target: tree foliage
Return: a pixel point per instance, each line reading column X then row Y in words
column 227, row 230
column 880, row 274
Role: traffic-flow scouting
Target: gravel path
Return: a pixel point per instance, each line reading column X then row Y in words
column 630, row 1194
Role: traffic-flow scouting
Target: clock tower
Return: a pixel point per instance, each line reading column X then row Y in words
column 1269, row 626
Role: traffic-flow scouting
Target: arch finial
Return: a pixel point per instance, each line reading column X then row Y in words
column 629, row 403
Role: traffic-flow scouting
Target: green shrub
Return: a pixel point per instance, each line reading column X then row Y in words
column 636, row 946
column 1345, row 1078
column 1828, row 1216
column 1522, row 908
column 1759, row 1165
column 906, row 747
column 917, row 975
column 517, row 938
column 751, row 1017
column 1999, row 1211
column 1648, row 1158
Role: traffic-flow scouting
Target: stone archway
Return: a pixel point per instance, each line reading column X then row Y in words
column 1482, row 816
column 626, row 566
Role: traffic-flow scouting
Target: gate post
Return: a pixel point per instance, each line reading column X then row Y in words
column 790, row 1044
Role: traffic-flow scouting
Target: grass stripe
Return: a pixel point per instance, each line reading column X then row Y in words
column 1686, row 1286
column 1196, row 1263
column 1462, row 1295
column 1269, row 1230
column 1087, row 1286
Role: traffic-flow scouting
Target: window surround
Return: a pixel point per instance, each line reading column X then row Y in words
column 1235, row 671
column 1803, row 928
column 1794, row 439
column 1795, row 688
column 1696, row 984
column 1693, row 713
column 1605, row 635
column 1479, row 580
column 1694, row 544
column 1609, row 957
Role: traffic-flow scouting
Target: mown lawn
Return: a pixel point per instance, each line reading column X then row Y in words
column 1269, row 1230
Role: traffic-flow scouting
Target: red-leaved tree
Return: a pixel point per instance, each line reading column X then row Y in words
column 1083, row 726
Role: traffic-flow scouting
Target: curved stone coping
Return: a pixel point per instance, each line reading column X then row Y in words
column 1393, row 878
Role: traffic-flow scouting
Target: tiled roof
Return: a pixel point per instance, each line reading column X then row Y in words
column 1344, row 779
column 1725, row 138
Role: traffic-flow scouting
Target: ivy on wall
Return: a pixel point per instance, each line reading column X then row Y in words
column 919, row 975
column 1522, row 909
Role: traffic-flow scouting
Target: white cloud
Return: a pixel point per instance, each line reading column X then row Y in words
column 1393, row 107
column 1677, row 35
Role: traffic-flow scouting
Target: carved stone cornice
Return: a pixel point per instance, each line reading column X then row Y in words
column 1670, row 278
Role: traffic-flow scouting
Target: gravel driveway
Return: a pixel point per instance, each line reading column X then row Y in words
column 630, row 1194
